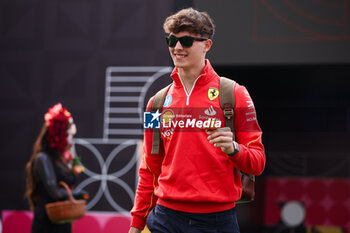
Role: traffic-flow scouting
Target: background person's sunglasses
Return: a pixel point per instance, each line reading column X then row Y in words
column 185, row 41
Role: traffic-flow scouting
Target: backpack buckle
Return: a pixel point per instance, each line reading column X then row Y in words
column 228, row 111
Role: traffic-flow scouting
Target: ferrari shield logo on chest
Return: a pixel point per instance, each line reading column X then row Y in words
column 213, row 93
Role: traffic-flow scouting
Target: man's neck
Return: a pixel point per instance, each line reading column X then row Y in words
column 188, row 76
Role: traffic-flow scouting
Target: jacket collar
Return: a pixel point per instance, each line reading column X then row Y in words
column 207, row 74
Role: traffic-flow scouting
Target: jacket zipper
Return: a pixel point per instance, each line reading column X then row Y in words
column 189, row 94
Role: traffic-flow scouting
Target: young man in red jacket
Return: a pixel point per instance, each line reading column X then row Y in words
column 192, row 184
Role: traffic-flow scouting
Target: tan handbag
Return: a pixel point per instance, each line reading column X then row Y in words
column 66, row 211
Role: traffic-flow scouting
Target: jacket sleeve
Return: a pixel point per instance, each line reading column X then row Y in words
column 149, row 171
column 45, row 173
column 251, row 156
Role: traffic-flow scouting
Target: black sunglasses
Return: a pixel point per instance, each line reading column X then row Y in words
column 186, row 41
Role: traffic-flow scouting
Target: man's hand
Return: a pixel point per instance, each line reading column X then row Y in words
column 223, row 138
column 134, row 230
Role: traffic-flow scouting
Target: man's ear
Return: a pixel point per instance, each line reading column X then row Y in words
column 208, row 44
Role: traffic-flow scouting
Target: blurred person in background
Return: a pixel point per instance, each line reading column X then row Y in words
column 52, row 161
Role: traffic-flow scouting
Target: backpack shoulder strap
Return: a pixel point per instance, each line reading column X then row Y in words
column 227, row 101
column 157, row 104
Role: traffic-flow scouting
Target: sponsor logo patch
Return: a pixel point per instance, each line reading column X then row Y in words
column 213, row 93
column 167, row 100
column 210, row 111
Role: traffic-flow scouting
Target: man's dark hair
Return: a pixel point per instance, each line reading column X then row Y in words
column 190, row 20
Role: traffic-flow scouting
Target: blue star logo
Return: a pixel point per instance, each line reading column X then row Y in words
column 151, row 120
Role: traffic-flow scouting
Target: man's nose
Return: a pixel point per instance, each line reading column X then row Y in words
column 178, row 45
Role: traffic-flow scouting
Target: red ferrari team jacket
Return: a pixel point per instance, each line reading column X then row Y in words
column 189, row 174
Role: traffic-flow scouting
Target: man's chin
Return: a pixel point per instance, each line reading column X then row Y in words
column 180, row 64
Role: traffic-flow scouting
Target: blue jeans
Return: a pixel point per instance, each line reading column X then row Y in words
column 165, row 220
